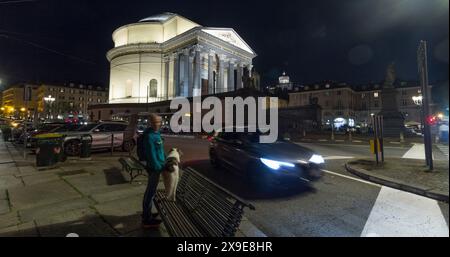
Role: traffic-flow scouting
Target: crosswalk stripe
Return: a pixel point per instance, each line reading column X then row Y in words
column 443, row 149
column 401, row 214
column 417, row 151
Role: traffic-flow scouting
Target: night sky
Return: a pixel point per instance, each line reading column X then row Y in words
column 351, row 41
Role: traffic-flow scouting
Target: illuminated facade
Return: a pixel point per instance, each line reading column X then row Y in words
column 167, row 56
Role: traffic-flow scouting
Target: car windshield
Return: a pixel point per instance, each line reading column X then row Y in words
column 48, row 127
column 87, row 128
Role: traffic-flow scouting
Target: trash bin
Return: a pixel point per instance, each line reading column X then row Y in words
column 49, row 150
column 86, row 144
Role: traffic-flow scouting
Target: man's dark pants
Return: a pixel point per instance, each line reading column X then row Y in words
column 153, row 180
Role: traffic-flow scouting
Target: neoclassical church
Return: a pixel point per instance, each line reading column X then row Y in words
column 167, row 56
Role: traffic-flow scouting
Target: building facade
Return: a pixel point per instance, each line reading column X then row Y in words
column 52, row 102
column 167, row 56
column 19, row 101
column 355, row 105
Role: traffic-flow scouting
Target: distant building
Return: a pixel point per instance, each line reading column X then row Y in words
column 344, row 104
column 52, row 101
column 284, row 83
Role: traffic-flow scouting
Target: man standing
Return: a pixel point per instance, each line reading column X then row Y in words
column 155, row 159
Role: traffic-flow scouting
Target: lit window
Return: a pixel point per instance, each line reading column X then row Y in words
column 375, row 94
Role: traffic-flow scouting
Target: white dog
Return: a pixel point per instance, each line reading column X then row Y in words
column 171, row 173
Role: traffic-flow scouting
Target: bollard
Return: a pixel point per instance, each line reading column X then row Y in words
column 402, row 138
column 112, row 144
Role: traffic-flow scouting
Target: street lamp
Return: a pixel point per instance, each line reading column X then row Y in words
column 49, row 100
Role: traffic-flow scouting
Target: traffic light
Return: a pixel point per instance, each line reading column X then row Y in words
column 431, row 120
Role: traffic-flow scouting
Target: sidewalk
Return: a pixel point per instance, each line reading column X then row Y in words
column 89, row 198
column 406, row 174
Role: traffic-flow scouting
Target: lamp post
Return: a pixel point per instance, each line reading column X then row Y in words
column 49, row 101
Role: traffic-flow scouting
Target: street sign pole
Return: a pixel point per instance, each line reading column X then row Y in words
column 381, row 138
column 423, row 74
column 375, row 135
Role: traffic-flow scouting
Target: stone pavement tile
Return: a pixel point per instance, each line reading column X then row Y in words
column 96, row 183
column 124, row 215
column 10, row 181
column 87, row 184
column 23, row 230
column 9, row 219
column 4, row 206
column 119, row 194
column 54, row 209
column 250, row 230
column 84, row 222
column 3, row 194
column 39, row 178
column 148, row 233
column 27, row 169
column 41, row 194
column 8, row 169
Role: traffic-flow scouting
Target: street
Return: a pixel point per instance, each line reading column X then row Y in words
column 340, row 204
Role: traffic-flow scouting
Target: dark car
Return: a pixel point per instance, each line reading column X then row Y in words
column 43, row 128
column 275, row 163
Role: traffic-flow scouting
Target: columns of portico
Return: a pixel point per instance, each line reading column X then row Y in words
column 185, row 80
column 176, row 74
column 240, row 74
column 230, row 86
column 197, row 71
column 211, row 56
column 165, row 93
column 250, row 68
column 221, row 80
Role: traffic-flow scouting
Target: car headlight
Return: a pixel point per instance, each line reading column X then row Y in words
column 317, row 159
column 275, row 165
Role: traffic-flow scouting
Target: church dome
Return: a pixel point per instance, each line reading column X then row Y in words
column 162, row 17
column 284, row 79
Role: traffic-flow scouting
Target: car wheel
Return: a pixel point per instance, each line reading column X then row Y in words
column 128, row 146
column 72, row 148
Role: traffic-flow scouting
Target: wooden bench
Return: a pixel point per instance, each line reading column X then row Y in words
column 134, row 167
column 202, row 209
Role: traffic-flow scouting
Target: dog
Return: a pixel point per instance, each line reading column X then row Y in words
column 171, row 173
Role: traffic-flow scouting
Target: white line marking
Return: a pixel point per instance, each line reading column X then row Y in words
column 417, row 151
column 348, row 177
column 401, row 214
column 338, row 157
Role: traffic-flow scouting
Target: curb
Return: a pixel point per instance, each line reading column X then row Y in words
column 382, row 180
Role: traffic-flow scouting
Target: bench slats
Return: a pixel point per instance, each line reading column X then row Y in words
column 180, row 225
column 202, row 208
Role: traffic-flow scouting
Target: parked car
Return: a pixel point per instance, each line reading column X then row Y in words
column 266, row 164
column 43, row 128
column 101, row 134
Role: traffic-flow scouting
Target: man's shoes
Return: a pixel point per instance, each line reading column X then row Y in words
column 152, row 224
